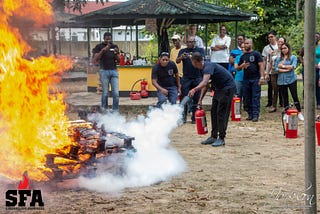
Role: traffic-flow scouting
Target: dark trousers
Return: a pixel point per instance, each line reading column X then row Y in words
column 251, row 97
column 186, row 85
column 276, row 93
column 225, row 65
column 220, row 112
column 294, row 93
column 270, row 90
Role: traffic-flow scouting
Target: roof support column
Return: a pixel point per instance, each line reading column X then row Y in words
column 137, row 42
column 206, row 39
column 236, row 33
column 89, row 41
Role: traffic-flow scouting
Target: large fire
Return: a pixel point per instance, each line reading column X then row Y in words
column 32, row 122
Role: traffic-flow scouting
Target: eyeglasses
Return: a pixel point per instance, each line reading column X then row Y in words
column 284, row 48
column 191, row 41
column 270, row 37
column 164, row 54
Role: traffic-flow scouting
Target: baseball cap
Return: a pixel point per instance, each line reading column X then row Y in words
column 176, row 37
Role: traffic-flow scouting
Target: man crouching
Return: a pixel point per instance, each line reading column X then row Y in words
column 166, row 80
column 224, row 89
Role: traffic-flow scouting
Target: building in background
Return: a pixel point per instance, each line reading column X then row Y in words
column 72, row 41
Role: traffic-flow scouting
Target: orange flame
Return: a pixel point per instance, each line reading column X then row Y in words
column 32, row 122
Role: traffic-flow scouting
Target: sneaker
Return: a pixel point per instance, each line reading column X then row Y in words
column 218, row 142
column 210, row 140
column 255, row 119
column 300, row 116
column 272, row 109
column 285, row 117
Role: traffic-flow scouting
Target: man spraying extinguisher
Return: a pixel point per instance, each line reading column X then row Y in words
column 224, row 89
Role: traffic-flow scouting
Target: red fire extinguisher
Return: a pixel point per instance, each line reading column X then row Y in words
column 201, row 121
column 122, row 59
column 291, row 128
column 236, row 109
column 144, row 88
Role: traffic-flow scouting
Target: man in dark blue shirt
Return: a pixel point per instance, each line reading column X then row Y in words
column 252, row 63
column 191, row 75
column 166, row 80
column 225, row 87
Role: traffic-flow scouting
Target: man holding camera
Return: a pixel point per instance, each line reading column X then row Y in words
column 107, row 55
column 191, row 75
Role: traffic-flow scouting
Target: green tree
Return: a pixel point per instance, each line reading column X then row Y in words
column 277, row 15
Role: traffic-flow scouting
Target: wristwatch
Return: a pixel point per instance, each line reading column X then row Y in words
column 261, row 78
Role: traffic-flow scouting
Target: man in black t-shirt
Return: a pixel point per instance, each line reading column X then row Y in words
column 166, row 79
column 107, row 55
column 252, row 64
column 225, row 87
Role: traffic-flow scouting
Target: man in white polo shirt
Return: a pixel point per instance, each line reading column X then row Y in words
column 220, row 48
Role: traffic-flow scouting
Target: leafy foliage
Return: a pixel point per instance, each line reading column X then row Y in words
column 277, row 15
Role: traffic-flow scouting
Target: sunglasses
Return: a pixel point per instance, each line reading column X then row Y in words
column 164, row 54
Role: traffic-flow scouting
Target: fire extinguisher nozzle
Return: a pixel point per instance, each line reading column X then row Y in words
column 185, row 100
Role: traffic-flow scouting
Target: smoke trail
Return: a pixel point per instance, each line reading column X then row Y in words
column 154, row 160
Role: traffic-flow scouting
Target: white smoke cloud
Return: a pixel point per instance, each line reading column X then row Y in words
column 154, row 160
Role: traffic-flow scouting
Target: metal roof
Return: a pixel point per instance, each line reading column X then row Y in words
column 180, row 11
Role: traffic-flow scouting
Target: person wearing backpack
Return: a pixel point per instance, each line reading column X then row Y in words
column 268, row 52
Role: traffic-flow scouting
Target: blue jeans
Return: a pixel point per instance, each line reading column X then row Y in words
column 109, row 77
column 172, row 96
column 251, row 97
column 186, row 85
column 239, row 91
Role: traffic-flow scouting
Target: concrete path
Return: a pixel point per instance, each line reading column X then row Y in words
column 89, row 100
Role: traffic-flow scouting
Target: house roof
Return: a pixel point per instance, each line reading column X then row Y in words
column 90, row 6
column 136, row 11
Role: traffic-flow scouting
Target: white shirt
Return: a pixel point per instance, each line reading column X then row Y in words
column 269, row 53
column 221, row 56
column 199, row 42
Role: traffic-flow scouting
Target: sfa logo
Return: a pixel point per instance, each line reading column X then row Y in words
column 24, row 198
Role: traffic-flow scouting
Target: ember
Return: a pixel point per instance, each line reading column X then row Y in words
column 92, row 146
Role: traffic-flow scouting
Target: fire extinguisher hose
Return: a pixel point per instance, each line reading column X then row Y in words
column 134, row 84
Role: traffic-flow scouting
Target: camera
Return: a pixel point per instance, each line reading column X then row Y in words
column 186, row 55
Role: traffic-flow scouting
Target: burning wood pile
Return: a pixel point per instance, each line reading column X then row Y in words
column 93, row 148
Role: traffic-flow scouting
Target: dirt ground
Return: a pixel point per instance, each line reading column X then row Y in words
column 258, row 171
